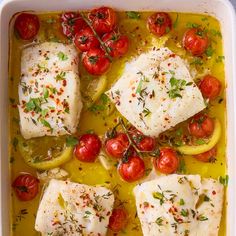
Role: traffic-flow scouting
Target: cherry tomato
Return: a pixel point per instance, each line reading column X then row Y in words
column 168, row 161
column 103, row 19
column 72, row 23
column 116, row 146
column 88, row 148
column 144, row 143
column 26, row 187
column 118, row 220
column 118, row 44
column 95, row 61
column 210, row 87
column 208, row 156
column 27, row 25
column 201, row 126
column 159, row 23
column 132, row 170
column 85, row 40
column 195, row 41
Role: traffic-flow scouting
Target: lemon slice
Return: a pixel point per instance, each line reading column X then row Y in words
column 53, row 154
column 96, row 88
column 195, row 150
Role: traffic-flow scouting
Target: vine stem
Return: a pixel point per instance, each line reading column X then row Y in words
column 129, row 138
column 107, row 50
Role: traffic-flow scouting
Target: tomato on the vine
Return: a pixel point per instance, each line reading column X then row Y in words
column 85, row 40
column 208, row 156
column 117, row 146
column 88, row 148
column 132, row 170
column 159, row 23
column 117, row 44
column 103, row 19
column 118, row 220
column 195, row 41
column 27, row 25
column 167, row 162
column 143, row 143
column 95, row 61
column 72, row 23
column 26, row 187
column 201, row 126
column 210, row 87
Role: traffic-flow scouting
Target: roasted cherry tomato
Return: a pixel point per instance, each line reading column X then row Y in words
column 26, row 187
column 27, row 25
column 209, row 156
column 167, row 162
column 201, row 126
column 103, row 19
column 95, row 61
column 88, row 148
column 118, row 220
column 72, row 23
column 143, row 143
column 118, row 44
column 159, row 23
column 85, row 40
column 210, row 87
column 195, row 41
column 116, row 146
column 133, row 169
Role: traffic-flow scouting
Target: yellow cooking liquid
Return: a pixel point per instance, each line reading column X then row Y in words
column 140, row 40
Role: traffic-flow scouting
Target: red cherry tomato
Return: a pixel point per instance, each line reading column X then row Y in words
column 210, row 87
column 116, row 146
column 118, row 220
column 88, row 148
column 95, row 61
column 85, row 40
column 26, row 187
column 72, row 23
column 144, row 143
column 159, row 23
column 195, row 41
column 118, row 44
column 168, row 161
column 27, row 25
column 201, row 126
column 103, row 19
column 208, row 156
column 132, row 170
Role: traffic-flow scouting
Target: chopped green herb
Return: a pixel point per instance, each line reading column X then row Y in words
column 182, row 166
column 46, row 124
column 146, row 112
column 197, row 61
column 216, row 33
column 220, row 59
column 45, row 93
column 192, row 25
column 159, row 196
column 159, row 221
column 60, row 76
column 176, row 21
column 200, row 141
column 133, row 15
column 181, row 202
column 224, row 180
column 71, row 141
column 206, row 198
column 62, row 56
column 202, row 218
column 204, row 19
column 209, row 51
column 184, row 213
column 34, row 104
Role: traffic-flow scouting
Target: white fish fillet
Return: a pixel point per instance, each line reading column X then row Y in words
column 49, row 90
column 179, row 205
column 72, row 209
column 147, row 97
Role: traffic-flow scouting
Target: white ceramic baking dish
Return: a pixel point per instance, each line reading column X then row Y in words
column 221, row 9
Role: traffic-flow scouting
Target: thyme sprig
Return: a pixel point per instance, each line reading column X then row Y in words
column 106, row 49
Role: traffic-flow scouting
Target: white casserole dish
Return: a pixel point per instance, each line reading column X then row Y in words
column 221, row 9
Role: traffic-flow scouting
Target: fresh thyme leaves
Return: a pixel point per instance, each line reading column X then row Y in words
column 209, row 51
column 146, row 112
column 71, row 141
column 34, row 104
column 202, row 218
column 62, row 56
column 184, row 213
column 60, row 76
column 224, row 180
column 141, row 80
column 159, row 196
column 176, row 86
column 133, row 15
column 181, row 202
column 159, row 221
column 46, row 124
column 192, row 25
column 182, row 167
